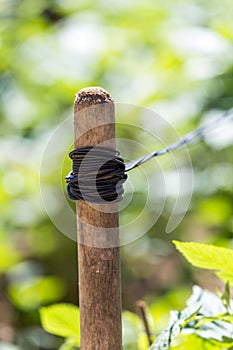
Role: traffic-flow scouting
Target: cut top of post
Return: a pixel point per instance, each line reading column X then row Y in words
column 94, row 118
column 91, row 96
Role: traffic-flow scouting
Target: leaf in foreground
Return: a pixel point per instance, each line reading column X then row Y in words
column 176, row 321
column 209, row 257
column 205, row 316
column 61, row 320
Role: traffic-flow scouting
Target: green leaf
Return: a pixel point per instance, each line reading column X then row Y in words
column 208, row 257
column 62, row 320
column 226, row 276
column 66, row 346
column 178, row 320
column 194, row 342
column 204, row 316
column 33, row 293
column 211, row 303
column 212, row 322
column 69, row 344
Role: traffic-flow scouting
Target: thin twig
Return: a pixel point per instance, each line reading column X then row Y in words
column 141, row 310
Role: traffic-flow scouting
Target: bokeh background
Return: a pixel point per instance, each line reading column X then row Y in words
column 173, row 57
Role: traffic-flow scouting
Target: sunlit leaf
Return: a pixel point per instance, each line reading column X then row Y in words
column 206, row 322
column 226, row 276
column 68, row 346
column 62, row 320
column 211, row 303
column 208, row 257
column 194, row 342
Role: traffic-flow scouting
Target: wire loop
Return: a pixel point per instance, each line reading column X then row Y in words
column 97, row 175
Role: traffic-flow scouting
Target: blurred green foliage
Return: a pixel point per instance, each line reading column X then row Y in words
column 173, row 57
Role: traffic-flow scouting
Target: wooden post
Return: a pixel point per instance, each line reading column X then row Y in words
column 98, row 234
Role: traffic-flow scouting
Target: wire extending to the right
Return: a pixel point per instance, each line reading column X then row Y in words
column 192, row 137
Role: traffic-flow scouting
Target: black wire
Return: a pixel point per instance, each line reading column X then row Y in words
column 193, row 137
column 98, row 173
